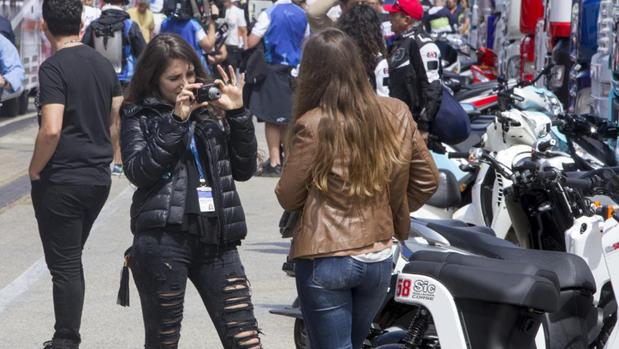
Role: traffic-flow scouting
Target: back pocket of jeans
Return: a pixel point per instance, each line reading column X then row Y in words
column 333, row 273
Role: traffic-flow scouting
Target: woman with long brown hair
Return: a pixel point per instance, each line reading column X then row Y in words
column 357, row 166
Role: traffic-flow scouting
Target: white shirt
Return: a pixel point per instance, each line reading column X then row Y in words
column 235, row 18
column 89, row 14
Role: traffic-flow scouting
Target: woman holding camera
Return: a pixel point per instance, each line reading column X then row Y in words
column 356, row 167
column 184, row 155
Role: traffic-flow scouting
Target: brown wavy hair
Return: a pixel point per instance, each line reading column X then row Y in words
column 332, row 78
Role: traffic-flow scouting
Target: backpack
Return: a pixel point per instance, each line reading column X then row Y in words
column 451, row 124
column 109, row 37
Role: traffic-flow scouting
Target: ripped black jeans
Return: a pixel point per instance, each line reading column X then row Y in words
column 161, row 263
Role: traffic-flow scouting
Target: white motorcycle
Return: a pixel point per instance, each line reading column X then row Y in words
column 442, row 266
column 522, row 124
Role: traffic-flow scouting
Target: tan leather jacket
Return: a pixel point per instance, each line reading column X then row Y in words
column 332, row 221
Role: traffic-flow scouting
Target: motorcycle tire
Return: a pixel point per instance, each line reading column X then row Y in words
column 301, row 339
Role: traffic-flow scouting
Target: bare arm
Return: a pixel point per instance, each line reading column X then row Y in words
column 317, row 14
column 243, row 35
column 208, row 41
column 252, row 41
column 47, row 138
column 115, row 128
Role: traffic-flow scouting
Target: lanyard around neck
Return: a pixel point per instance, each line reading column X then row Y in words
column 196, row 157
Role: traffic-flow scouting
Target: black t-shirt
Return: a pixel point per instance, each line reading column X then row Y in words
column 84, row 82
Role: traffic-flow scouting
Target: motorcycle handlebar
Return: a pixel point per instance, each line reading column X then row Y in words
column 458, row 155
column 582, row 184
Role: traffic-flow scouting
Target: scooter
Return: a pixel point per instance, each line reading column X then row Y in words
column 471, row 301
column 600, row 67
column 583, row 46
column 511, row 135
column 532, row 12
column 573, row 221
column 553, row 46
column 552, row 211
column 508, row 36
column 614, row 66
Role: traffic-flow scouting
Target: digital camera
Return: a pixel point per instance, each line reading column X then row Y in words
column 208, row 93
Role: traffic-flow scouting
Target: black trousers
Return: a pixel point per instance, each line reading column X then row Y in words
column 65, row 214
column 235, row 57
column 163, row 261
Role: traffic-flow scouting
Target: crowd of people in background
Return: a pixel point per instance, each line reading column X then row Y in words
column 278, row 39
column 347, row 91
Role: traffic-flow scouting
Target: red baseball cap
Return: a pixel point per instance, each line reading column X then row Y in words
column 411, row 8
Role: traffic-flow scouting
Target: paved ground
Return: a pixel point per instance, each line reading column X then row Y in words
column 26, row 312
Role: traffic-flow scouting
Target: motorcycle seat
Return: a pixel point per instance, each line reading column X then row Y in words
column 448, row 193
column 474, row 90
column 454, row 223
column 466, row 63
column 489, row 280
column 572, row 271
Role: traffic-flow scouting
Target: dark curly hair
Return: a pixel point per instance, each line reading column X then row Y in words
column 63, row 17
column 362, row 23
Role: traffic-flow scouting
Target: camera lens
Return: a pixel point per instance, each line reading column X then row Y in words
column 214, row 93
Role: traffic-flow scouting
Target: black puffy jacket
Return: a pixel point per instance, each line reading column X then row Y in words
column 153, row 144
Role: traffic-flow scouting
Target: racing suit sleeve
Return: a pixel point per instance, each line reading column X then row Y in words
column 429, row 84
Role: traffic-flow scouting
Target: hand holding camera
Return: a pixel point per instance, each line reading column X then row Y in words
column 186, row 101
column 231, row 88
column 226, row 95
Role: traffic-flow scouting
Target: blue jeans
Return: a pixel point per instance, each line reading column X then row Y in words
column 340, row 296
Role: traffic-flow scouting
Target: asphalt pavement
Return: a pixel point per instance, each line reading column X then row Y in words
column 26, row 309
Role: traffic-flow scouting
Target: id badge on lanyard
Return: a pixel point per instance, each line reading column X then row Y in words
column 205, row 193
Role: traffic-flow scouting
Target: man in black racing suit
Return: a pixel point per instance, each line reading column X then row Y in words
column 414, row 64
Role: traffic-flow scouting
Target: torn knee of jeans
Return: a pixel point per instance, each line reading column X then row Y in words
column 171, row 309
column 246, row 334
column 238, row 303
column 234, row 283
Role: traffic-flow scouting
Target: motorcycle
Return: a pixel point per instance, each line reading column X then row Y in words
column 512, row 134
column 600, row 67
column 592, row 322
column 531, row 13
column 552, row 46
column 552, row 210
column 583, row 46
column 508, row 36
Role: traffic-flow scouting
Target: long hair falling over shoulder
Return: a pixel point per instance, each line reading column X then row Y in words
column 332, row 78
